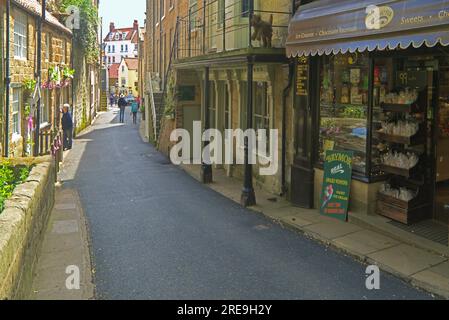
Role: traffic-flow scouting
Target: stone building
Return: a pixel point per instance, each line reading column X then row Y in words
column 207, row 50
column 87, row 83
column 128, row 76
column 121, row 43
column 56, row 64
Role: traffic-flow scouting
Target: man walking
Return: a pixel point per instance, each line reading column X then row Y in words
column 67, row 127
column 122, row 105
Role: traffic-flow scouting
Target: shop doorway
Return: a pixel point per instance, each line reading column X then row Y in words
column 398, row 80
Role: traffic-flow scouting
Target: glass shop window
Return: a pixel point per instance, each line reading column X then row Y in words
column 344, row 82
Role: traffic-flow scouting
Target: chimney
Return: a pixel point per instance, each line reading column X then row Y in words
column 136, row 25
column 111, row 27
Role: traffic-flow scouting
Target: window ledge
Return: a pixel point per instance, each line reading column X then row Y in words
column 44, row 125
column 16, row 137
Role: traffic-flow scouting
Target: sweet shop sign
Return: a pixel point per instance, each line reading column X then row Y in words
column 336, row 184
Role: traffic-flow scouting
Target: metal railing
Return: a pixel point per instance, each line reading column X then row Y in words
column 221, row 26
column 50, row 143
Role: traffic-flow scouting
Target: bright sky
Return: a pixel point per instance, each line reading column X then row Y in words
column 122, row 13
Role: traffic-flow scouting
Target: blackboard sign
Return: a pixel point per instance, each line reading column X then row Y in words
column 336, row 184
column 302, row 77
column 413, row 79
column 186, row 93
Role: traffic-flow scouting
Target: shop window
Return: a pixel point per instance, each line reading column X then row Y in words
column 15, row 106
column 343, row 111
column 20, row 36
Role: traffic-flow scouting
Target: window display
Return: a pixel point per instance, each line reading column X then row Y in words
column 344, row 106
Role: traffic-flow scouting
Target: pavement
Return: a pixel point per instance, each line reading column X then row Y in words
column 157, row 233
column 65, row 246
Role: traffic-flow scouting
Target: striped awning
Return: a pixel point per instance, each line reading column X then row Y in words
column 332, row 27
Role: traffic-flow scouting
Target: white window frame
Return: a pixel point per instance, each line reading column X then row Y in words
column 45, row 107
column 15, row 113
column 20, row 36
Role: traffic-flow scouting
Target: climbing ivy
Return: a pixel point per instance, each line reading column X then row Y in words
column 170, row 96
column 86, row 36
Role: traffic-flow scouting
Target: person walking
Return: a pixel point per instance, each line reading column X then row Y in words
column 122, row 105
column 112, row 99
column 67, row 127
column 134, row 110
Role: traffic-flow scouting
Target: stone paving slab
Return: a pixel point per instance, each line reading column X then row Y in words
column 405, row 259
column 331, row 230
column 65, row 245
column 365, row 242
column 434, row 279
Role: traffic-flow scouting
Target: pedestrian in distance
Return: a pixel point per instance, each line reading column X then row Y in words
column 112, row 99
column 122, row 105
column 67, row 127
column 134, row 110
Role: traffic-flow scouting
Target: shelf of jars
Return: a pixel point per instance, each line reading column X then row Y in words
column 402, row 133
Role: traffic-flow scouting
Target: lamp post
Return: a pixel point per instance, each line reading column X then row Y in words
column 248, row 197
column 206, row 168
column 38, row 77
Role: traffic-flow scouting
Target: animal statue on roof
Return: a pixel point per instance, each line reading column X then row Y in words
column 263, row 30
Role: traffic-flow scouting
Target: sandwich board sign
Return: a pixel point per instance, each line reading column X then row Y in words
column 336, row 184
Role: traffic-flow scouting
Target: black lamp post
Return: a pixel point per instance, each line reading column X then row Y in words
column 38, row 77
column 248, row 197
column 206, row 169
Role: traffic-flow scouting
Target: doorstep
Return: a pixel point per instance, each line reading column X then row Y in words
column 417, row 260
column 381, row 225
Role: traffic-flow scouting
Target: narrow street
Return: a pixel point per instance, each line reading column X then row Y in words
column 156, row 233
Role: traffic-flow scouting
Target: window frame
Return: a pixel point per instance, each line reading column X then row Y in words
column 16, row 127
column 45, row 99
column 20, row 20
column 193, row 17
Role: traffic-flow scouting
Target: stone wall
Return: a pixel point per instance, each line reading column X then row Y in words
column 22, row 225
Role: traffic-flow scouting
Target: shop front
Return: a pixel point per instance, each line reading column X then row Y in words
column 372, row 77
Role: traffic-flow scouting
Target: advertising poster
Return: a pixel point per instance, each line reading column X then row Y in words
column 336, row 184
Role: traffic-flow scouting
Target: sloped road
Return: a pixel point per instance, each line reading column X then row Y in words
column 159, row 234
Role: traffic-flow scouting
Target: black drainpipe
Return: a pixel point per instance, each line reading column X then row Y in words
column 285, row 96
column 7, row 77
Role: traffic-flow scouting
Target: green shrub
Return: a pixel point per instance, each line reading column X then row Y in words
column 10, row 177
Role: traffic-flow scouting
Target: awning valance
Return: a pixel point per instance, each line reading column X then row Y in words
column 331, row 27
